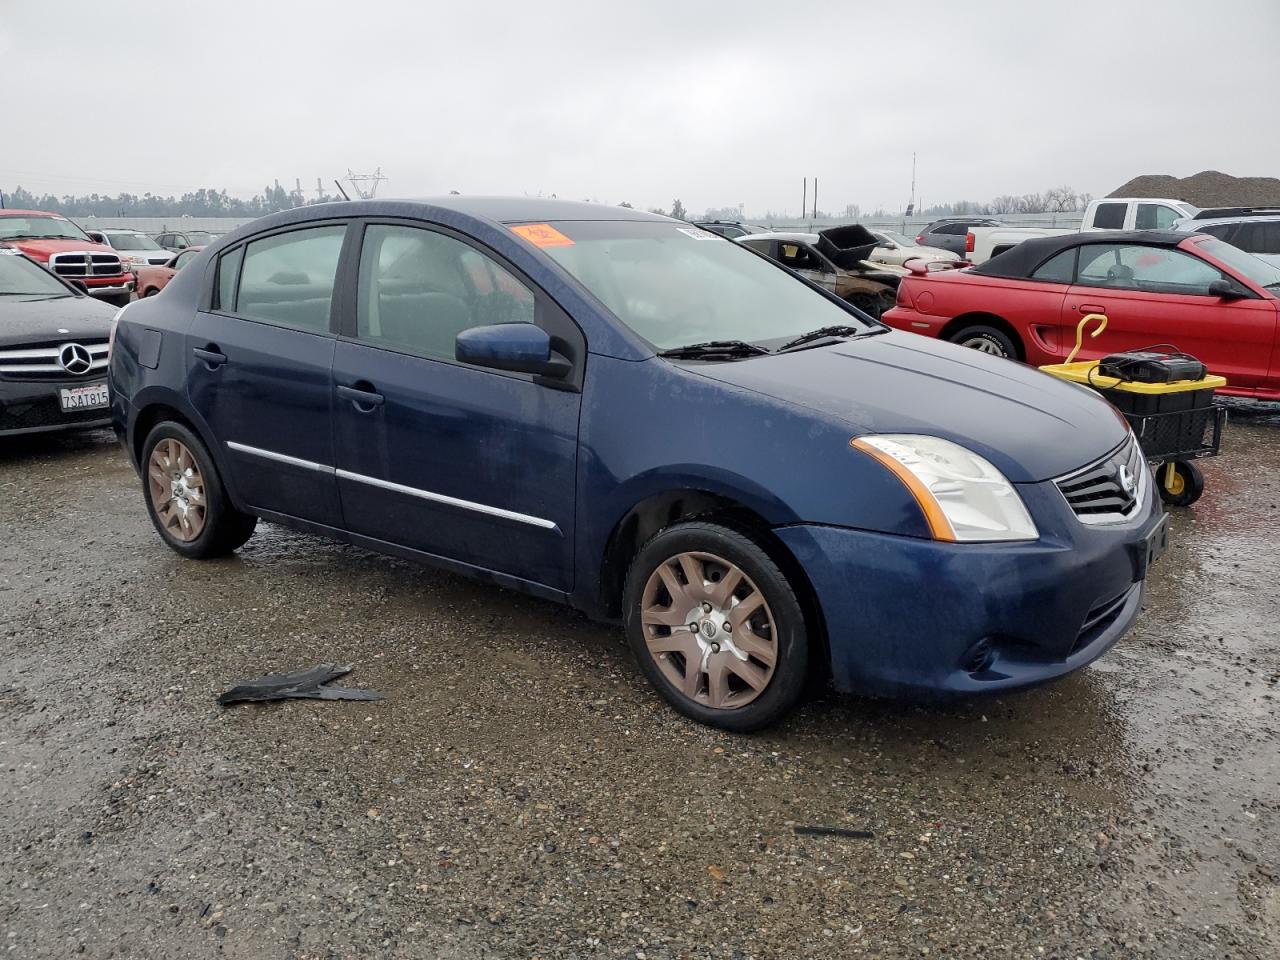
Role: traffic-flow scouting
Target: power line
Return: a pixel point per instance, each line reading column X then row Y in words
column 365, row 184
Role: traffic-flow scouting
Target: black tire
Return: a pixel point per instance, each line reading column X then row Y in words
column 119, row 299
column 1184, row 488
column 989, row 340
column 150, row 292
column 868, row 303
column 225, row 528
column 790, row 635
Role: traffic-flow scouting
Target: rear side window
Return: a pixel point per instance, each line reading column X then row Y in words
column 1060, row 268
column 1220, row 230
column 1109, row 216
column 288, row 279
column 1258, row 237
column 952, row 229
column 420, row 289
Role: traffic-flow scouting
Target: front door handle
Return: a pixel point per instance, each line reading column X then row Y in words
column 211, row 355
column 1092, row 308
column 362, row 395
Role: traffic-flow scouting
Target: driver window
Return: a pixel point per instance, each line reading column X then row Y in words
column 799, row 257
column 420, row 289
column 1155, row 216
column 1149, row 269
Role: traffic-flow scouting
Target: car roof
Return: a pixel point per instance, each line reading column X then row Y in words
column 530, row 209
column 1192, row 224
column 1019, row 261
column 6, row 212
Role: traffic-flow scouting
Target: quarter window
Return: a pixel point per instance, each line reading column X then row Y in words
column 420, row 289
column 288, row 279
column 228, row 274
column 1057, row 269
column 1149, row 269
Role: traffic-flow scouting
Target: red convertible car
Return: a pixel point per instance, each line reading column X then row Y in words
column 1194, row 292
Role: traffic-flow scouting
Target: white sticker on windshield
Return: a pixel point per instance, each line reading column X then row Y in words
column 697, row 233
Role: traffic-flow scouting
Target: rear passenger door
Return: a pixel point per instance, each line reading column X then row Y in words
column 260, row 369
column 474, row 465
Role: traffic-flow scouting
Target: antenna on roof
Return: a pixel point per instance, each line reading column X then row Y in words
column 340, row 190
column 365, row 184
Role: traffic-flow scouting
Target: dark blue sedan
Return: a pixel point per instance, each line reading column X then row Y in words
column 655, row 425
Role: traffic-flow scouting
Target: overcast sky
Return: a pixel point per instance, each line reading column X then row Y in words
column 715, row 103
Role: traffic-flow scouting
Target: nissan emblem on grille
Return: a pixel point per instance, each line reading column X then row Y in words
column 75, row 359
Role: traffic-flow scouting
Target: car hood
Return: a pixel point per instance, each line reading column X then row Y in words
column 40, row 249
column 39, row 320
column 1031, row 426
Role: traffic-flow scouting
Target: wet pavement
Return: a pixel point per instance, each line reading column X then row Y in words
column 521, row 793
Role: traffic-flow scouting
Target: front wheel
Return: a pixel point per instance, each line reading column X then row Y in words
column 1181, row 483
column 986, row 339
column 185, row 497
column 716, row 626
column 118, row 299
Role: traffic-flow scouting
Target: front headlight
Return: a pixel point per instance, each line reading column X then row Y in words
column 964, row 498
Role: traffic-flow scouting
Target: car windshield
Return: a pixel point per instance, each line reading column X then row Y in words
column 132, row 241
column 1245, row 264
column 676, row 285
column 42, row 228
column 20, row 277
column 898, row 238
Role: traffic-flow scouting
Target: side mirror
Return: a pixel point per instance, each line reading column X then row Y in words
column 81, row 286
column 519, row 347
column 1225, row 290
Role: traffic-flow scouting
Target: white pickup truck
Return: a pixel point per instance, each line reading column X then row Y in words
column 1113, row 213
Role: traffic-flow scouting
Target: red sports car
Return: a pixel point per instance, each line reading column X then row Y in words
column 1194, row 292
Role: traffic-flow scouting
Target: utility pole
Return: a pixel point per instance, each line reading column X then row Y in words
column 319, row 190
column 804, row 202
column 365, row 184
column 815, row 198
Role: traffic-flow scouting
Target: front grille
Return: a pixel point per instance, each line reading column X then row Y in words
column 87, row 264
column 1098, row 494
column 44, row 363
column 45, row 412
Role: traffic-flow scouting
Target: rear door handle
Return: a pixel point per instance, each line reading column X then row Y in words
column 361, row 397
column 211, row 355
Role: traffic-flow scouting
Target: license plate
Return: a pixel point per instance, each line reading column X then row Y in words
column 1151, row 549
column 91, row 396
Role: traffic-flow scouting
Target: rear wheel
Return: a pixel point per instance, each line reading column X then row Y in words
column 1181, row 483
column 986, row 339
column 185, row 497
column 716, row 626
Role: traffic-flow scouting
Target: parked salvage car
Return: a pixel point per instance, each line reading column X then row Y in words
column 1255, row 231
column 731, row 229
column 1195, row 292
column 60, row 245
column 895, row 250
column 53, row 351
column 841, row 266
column 151, row 280
column 621, row 412
column 135, row 248
column 949, row 232
column 179, row 240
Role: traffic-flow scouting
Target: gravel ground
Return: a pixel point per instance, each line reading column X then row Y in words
column 521, row 793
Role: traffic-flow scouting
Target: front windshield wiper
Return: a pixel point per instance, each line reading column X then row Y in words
column 714, row 350
column 822, row 333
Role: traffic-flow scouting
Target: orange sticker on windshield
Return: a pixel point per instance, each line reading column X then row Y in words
column 542, row 235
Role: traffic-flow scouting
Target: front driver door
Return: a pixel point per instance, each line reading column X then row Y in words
column 1157, row 295
column 474, row 465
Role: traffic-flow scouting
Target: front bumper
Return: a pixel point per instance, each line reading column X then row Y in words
column 110, row 289
column 914, row 617
column 33, row 406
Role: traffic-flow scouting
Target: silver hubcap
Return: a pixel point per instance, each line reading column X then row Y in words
column 709, row 630
column 983, row 345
